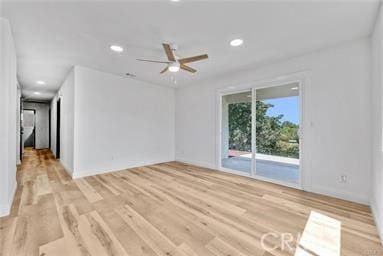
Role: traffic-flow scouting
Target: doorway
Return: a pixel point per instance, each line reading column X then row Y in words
column 236, row 132
column 58, row 120
column 260, row 133
column 277, row 133
column 29, row 128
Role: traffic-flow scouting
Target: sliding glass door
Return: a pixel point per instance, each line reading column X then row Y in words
column 236, row 132
column 277, row 133
column 260, row 133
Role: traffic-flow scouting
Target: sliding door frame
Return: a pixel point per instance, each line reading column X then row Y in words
column 287, row 184
column 220, row 167
column 302, row 79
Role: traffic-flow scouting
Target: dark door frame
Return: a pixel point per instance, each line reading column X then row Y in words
column 49, row 127
column 21, row 130
column 58, row 120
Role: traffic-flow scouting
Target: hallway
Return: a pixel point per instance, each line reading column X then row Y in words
column 164, row 209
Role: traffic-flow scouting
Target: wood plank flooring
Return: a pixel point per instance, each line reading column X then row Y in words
column 174, row 209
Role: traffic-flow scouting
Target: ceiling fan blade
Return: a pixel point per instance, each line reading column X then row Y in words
column 169, row 52
column 154, row 61
column 194, row 58
column 164, row 70
column 187, row 68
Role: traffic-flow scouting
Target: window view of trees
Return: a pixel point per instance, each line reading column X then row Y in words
column 274, row 136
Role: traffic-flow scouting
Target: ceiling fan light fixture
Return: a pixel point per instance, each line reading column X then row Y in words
column 174, row 67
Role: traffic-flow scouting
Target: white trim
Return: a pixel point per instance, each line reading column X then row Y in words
column 378, row 221
column 196, row 163
column 273, row 80
column 245, row 174
column 339, row 193
column 278, row 182
column 66, row 168
column 300, row 77
column 253, row 132
column 81, row 174
column 5, row 210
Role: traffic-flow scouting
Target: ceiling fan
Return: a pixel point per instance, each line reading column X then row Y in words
column 174, row 64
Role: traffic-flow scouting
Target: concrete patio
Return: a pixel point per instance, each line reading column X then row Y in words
column 268, row 166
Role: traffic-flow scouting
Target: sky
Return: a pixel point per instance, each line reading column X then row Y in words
column 288, row 106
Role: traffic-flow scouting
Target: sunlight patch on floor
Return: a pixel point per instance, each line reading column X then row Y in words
column 321, row 236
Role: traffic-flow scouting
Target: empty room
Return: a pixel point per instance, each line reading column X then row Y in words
column 191, row 128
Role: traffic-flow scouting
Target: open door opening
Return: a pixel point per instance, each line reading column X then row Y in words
column 277, row 133
column 236, row 132
column 29, row 128
column 58, row 114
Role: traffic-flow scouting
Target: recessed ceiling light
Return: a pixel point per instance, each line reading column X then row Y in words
column 236, row 42
column 174, row 0
column 294, row 88
column 40, row 82
column 174, row 67
column 116, row 48
column 37, row 93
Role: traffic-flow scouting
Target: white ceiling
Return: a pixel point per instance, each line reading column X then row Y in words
column 51, row 37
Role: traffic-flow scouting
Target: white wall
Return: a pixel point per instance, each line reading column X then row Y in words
column 111, row 122
column 66, row 94
column 41, row 123
column 336, row 120
column 8, row 102
column 120, row 122
column 377, row 147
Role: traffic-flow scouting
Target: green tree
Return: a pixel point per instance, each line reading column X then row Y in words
column 272, row 135
column 268, row 129
column 240, row 126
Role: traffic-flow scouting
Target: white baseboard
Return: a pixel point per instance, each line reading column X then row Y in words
column 81, row 174
column 341, row 194
column 377, row 219
column 66, row 168
column 5, row 210
column 78, row 175
column 197, row 163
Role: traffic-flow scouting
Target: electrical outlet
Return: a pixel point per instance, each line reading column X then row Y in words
column 343, row 178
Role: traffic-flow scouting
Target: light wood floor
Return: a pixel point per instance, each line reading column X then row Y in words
column 168, row 209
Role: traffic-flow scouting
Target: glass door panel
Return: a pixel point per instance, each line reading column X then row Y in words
column 236, row 132
column 277, row 129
